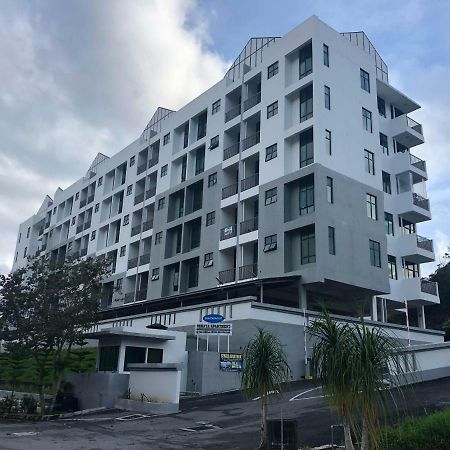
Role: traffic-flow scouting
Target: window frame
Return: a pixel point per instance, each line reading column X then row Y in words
column 330, row 190
column 270, row 196
column 208, row 259
column 164, row 170
column 327, row 97
column 367, row 119
column 272, row 70
column 166, row 139
column 272, row 109
column 331, row 240
column 210, row 218
column 270, row 243
column 389, row 223
column 364, row 80
column 375, row 253
column 369, row 158
column 271, row 152
column 371, row 206
column 326, row 55
column 215, row 107
column 212, row 179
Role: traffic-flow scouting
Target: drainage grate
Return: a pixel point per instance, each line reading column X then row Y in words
column 201, row 427
column 133, row 417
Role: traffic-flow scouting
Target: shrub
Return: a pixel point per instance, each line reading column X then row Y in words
column 430, row 432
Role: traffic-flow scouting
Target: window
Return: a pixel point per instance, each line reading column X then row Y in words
column 164, row 170
column 327, row 97
column 410, row 270
column 210, row 218
column 77, row 196
column 386, row 183
column 306, row 103
column 271, row 152
column 367, row 119
column 306, row 195
column 369, row 158
column 186, row 135
column 365, row 80
column 330, row 193
column 306, row 148
column 122, row 250
column 15, row 257
column 20, row 234
column 155, row 355
column 166, row 139
column 54, row 210
column 308, row 245
column 133, row 355
column 100, row 181
column 371, row 205
column 108, row 359
column 215, row 107
column 193, row 274
column 407, row 227
column 69, row 246
column 96, row 208
column 74, row 218
column 93, row 235
column 270, row 243
column 129, row 189
column 161, row 203
column 384, row 143
column 212, row 179
column 126, row 219
column 209, row 260
column 132, row 160
column 119, row 283
column 25, row 252
column 201, row 125
column 158, row 237
column 328, row 141
column 214, row 142
column 271, row 196
column 331, row 241
column 272, row 109
column 272, row 70
column 28, row 232
column 305, row 61
column 200, row 161
column 375, row 254
column 392, row 267
column 155, row 274
column 326, row 55
column 389, row 223
column 381, row 106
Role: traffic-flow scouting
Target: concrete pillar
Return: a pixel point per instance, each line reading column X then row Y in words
column 302, row 296
column 121, row 360
column 374, row 310
column 421, row 316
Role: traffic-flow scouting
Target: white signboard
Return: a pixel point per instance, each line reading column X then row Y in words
column 213, row 328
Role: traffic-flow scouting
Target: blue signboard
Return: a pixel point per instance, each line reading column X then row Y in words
column 213, row 318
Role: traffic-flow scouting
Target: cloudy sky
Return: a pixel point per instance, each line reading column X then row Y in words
column 81, row 77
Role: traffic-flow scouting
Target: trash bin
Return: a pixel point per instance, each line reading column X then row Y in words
column 289, row 434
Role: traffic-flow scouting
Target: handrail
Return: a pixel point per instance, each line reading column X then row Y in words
column 228, row 191
column 252, row 101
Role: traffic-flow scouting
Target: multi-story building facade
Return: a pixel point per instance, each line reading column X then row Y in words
column 292, row 181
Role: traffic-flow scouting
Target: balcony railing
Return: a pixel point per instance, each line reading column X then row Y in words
column 249, row 225
column 250, row 182
column 421, row 202
column 424, row 243
column 141, row 294
column 418, row 163
column 87, row 225
column 132, row 263
column 147, row 225
column 152, row 162
column 228, row 232
column 250, row 141
column 141, row 168
column 139, row 198
column 232, row 113
column 83, row 251
column 90, row 199
column 135, row 230
column 228, row 191
column 429, row 287
column 82, row 203
column 151, row 192
column 248, row 271
column 79, row 228
column 230, row 151
column 227, row 276
column 252, row 101
column 129, row 297
column 416, row 126
column 144, row 259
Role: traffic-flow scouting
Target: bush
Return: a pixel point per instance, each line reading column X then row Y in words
column 430, row 432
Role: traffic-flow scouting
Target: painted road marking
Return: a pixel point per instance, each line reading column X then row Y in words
column 25, row 433
column 269, row 393
column 295, row 397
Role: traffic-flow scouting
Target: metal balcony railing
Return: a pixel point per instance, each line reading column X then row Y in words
column 144, row 259
column 252, row 101
column 139, row 198
column 248, row 271
column 416, row 126
column 227, row 276
column 87, row 225
column 232, row 113
column 429, row 287
column 79, row 228
column 250, row 182
column 141, row 168
column 230, row 151
column 152, row 162
column 424, row 243
column 82, row 203
column 141, row 294
column 147, row 225
column 228, row 191
column 135, row 230
column 417, row 162
column 90, row 199
column 250, row 141
column 228, row 232
column 129, row 297
column 249, row 225
column 421, row 202
column 132, row 263
column 151, row 192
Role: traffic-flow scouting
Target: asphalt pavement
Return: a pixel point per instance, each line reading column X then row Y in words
column 226, row 421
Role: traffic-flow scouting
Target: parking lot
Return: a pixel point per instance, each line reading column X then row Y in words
column 226, row 421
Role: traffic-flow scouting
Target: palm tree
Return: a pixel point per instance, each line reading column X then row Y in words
column 331, row 365
column 265, row 368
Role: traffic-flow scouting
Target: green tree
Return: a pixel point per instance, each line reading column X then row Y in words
column 47, row 308
column 265, row 368
column 438, row 315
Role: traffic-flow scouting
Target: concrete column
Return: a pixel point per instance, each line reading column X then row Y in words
column 374, row 311
column 302, row 296
column 421, row 316
column 121, row 358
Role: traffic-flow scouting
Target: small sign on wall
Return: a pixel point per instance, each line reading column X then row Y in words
column 213, row 328
column 231, row 362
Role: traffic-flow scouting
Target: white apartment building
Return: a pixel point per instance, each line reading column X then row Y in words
column 291, row 183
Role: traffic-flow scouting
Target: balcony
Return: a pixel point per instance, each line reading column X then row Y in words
column 248, row 271
column 228, row 232
column 79, row 228
column 141, row 168
column 429, row 287
column 414, row 248
column 87, row 225
column 41, row 231
column 418, row 163
column 250, row 141
column 139, row 198
column 152, row 162
column 147, row 225
column 90, row 199
column 415, row 291
column 135, row 230
column 249, row 225
column 424, row 243
column 144, row 259
column 132, row 263
column 229, row 191
column 231, row 151
column 129, row 297
column 232, row 113
column 82, row 203
column 150, row 192
column 421, row 202
column 83, row 251
column 227, row 276
column 141, row 294
column 413, row 207
column 249, row 182
column 47, row 224
column 407, row 131
column 252, row 101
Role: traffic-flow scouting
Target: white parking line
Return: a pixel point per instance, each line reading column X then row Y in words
column 270, row 392
column 295, row 397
